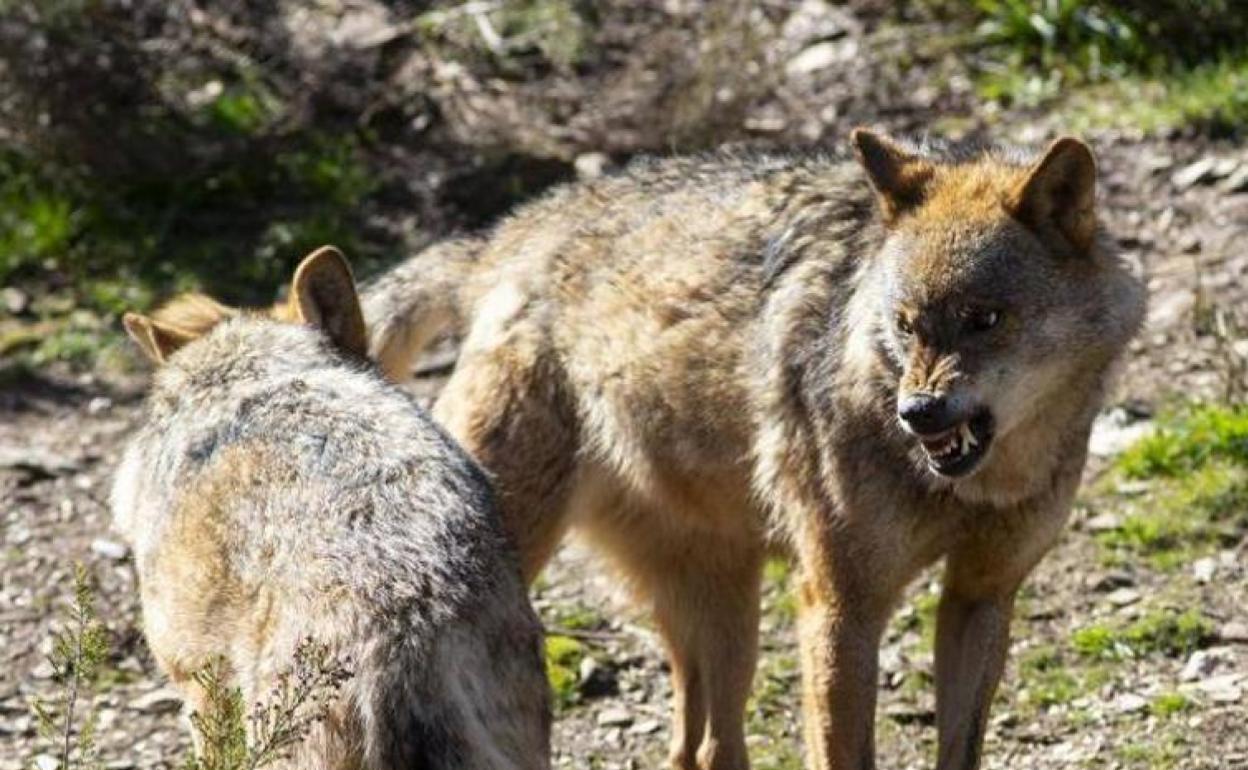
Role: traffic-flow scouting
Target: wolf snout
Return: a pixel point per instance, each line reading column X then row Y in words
column 926, row 413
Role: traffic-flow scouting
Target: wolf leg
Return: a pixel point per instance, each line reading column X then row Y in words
column 704, row 590
column 972, row 639
column 842, row 612
column 982, row 577
column 506, row 404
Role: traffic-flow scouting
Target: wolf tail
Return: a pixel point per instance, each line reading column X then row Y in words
column 449, row 708
column 408, row 306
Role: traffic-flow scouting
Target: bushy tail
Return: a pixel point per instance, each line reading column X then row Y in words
column 408, row 306
column 453, row 707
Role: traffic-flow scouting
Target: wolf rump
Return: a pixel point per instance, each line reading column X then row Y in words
column 279, row 490
column 700, row 361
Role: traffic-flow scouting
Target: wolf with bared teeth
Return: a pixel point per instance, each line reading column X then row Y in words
column 868, row 366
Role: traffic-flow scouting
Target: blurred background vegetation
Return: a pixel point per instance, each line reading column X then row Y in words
column 148, row 146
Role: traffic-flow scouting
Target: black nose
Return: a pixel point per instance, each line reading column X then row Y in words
column 924, row 413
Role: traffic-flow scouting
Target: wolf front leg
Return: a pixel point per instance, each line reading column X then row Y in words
column 982, row 578
column 841, row 618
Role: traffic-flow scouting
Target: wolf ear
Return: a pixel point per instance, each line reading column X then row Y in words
column 898, row 176
column 323, row 295
column 1058, row 198
column 157, row 340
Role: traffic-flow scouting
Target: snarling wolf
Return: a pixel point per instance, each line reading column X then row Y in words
column 869, row 366
column 278, row 489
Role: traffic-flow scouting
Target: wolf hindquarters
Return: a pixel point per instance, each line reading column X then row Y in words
column 280, row 490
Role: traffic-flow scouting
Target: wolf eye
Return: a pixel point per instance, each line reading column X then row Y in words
column 982, row 320
column 903, row 326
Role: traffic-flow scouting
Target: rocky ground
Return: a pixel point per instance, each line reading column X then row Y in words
column 1082, row 689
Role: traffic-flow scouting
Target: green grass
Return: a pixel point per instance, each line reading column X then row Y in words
column 1197, row 466
column 1165, row 632
column 1187, row 441
column 1169, row 704
column 86, row 250
column 1212, row 97
column 1049, row 680
column 1153, row 65
column 768, row 711
column 920, row 616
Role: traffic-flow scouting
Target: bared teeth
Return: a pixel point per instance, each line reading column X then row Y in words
column 968, row 436
column 956, row 443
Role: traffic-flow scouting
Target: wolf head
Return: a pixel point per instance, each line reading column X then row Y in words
column 322, row 295
column 999, row 305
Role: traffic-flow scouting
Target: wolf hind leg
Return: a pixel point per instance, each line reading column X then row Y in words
column 705, row 596
column 507, row 405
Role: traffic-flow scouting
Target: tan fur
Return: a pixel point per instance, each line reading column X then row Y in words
column 280, row 490
column 695, row 364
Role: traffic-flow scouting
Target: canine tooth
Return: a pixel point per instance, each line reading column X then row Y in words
column 968, row 435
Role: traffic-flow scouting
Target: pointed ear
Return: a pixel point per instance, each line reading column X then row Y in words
column 157, row 340
column 322, row 294
column 899, row 176
column 1057, row 199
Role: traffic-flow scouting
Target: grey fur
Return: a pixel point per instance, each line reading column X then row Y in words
column 369, row 530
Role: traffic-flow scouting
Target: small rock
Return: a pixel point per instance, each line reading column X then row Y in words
column 614, row 717
column 44, row 670
column 98, row 405
column 903, row 714
column 36, row 463
column 1103, row 522
column 1170, row 309
column 1222, row 689
column 817, row 57
column 1204, row 570
column 1237, row 181
column 46, row 762
column 1224, row 167
column 591, row 165
column 1201, row 664
column 162, row 701
column 1123, row 597
column 1194, row 174
column 646, row 727
column 1112, row 579
column 14, row 300
column 1130, row 703
column 109, row 549
column 1234, row 633
column 1115, row 430
column 1133, row 488
column 597, row 680
column 17, row 726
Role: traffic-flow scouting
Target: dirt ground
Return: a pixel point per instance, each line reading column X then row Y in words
column 1178, row 207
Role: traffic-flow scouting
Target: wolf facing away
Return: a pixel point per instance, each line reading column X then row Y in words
column 870, row 366
column 278, row 490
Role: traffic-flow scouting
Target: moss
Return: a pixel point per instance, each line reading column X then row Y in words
column 563, row 659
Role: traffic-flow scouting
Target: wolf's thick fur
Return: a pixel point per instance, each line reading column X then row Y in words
column 279, row 490
column 699, row 361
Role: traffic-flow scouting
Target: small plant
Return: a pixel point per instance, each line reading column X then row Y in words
column 77, row 654
column 228, row 736
column 232, row 739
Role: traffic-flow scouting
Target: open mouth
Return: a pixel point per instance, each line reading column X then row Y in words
column 957, row 451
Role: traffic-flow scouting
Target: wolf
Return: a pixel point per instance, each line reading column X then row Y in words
column 278, row 489
column 865, row 364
